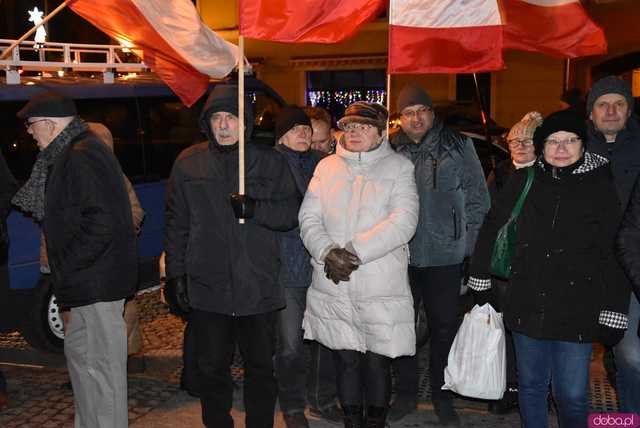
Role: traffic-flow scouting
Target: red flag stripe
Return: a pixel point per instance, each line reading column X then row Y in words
column 445, row 50
column 561, row 30
column 121, row 19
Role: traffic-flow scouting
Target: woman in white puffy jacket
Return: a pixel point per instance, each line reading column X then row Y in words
column 358, row 214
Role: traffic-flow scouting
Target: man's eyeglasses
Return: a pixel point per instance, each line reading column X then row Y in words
column 566, row 142
column 526, row 142
column 357, row 127
column 410, row 114
column 28, row 124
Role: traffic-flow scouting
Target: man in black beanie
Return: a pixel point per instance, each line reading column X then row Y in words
column 76, row 190
column 223, row 273
column 614, row 132
column 453, row 202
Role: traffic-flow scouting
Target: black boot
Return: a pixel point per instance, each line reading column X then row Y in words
column 376, row 417
column 352, row 416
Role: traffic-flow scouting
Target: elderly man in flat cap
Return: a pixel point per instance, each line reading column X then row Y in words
column 77, row 192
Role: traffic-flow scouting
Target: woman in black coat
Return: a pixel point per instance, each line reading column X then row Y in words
column 566, row 289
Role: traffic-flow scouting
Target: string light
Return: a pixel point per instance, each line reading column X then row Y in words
column 347, row 97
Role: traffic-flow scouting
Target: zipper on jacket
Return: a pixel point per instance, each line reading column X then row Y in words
column 434, row 168
column 455, row 223
column 555, row 213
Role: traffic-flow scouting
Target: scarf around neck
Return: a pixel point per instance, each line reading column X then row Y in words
column 30, row 198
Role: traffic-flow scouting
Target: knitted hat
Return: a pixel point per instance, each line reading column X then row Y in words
column 412, row 95
column 289, row 117
column 609, row 85
column 364, row 112
column 563, row 120
column 48, row 104
column 524, row 129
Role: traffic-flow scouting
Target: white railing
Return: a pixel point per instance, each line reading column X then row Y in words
column 53, row 56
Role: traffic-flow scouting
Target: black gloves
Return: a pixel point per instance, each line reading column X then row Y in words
column 175, row 293
column 339, row 263
column 610, row 336
column 243, row 206
column 482, row 297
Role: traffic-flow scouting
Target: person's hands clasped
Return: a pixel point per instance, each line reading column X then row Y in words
column 339, row 263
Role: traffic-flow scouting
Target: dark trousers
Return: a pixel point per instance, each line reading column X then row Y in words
column 321, row 392
column 3, row 383
column 216, row 337
column 438, row 288
column 499, row 289
column 363, row 377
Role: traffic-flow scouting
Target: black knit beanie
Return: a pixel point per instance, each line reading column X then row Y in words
column 563, row 120
column 289, row 117
column 609, row 85
column 412, row 95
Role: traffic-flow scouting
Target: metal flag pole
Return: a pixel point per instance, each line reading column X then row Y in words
column 485, row 122
column 24, row 37
column 567, row 73
column 241, row 124
column 388, row 100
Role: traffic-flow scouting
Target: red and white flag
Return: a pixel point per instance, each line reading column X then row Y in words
column 176, row 44
column 560, row 28
column 444, row 36
column 306, row 21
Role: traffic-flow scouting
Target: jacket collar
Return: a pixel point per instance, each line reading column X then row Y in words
column 589, row 162
column 383, row 150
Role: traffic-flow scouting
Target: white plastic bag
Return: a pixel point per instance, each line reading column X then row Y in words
column 477, row 361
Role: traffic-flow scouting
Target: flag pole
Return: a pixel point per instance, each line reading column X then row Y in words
column 241, row 123
column 485, row 122
column 388, row 100
column 24, row 37
column 567, row 72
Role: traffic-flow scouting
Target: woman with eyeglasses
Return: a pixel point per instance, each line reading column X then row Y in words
column 565, row 288
column 357, row 217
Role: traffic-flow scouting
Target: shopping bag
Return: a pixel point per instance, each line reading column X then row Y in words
column 477, row 361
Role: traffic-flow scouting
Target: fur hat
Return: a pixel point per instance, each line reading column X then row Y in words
column 563, row 120
column 526, row 127
column 364, row 112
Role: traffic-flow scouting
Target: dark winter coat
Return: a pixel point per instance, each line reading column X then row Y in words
column 453, row 195
column 498, row 178
column 231, row 268
column 8, row 188
column 624, row 155
column 91, row 241
column 565, row 279
column 296, row 270
column 628, row 240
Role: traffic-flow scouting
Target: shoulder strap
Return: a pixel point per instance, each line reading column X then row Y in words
column 523, row 195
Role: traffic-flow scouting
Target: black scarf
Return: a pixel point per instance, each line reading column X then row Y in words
column 30, row 198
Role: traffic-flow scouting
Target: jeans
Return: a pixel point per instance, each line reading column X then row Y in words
column 439, row 289
column 627, row 354
column 216, row 336
column 566, row 365
column 363, row 377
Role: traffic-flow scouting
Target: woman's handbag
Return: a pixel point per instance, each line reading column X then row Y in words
column 506, row 240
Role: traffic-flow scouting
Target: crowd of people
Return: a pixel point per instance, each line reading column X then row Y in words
column 337, row 241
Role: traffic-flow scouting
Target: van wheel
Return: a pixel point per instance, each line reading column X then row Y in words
column 43, row 327
column 422, row 327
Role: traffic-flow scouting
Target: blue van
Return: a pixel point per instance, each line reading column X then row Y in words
column 150, row 127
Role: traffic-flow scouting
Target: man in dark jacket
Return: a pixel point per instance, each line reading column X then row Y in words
column 615, row 134
column 77, row 191
column 294, row 139
column 453, row 202
column 226, row 273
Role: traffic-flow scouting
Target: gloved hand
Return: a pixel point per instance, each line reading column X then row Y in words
column 610, row 336
column 482, row 297
column 176, row 295
column 243, row 206
column 339, row 263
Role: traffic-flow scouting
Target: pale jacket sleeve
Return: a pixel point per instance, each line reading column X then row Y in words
column 398, row 227
column 312, row 230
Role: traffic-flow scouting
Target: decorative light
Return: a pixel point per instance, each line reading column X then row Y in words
column 346, row 97
column 35, row 16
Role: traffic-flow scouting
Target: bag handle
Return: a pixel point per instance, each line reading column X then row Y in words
column 523, row 195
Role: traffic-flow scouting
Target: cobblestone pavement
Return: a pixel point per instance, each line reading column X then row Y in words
column 40, row 395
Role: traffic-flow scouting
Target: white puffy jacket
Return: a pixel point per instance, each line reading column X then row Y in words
column 369, row 201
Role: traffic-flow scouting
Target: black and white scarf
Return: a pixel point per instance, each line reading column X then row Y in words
column 30, row 197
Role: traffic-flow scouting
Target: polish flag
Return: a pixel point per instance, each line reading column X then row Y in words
column 306, row 21
column 444, row 36
column 174, row 41
column 560, row 28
